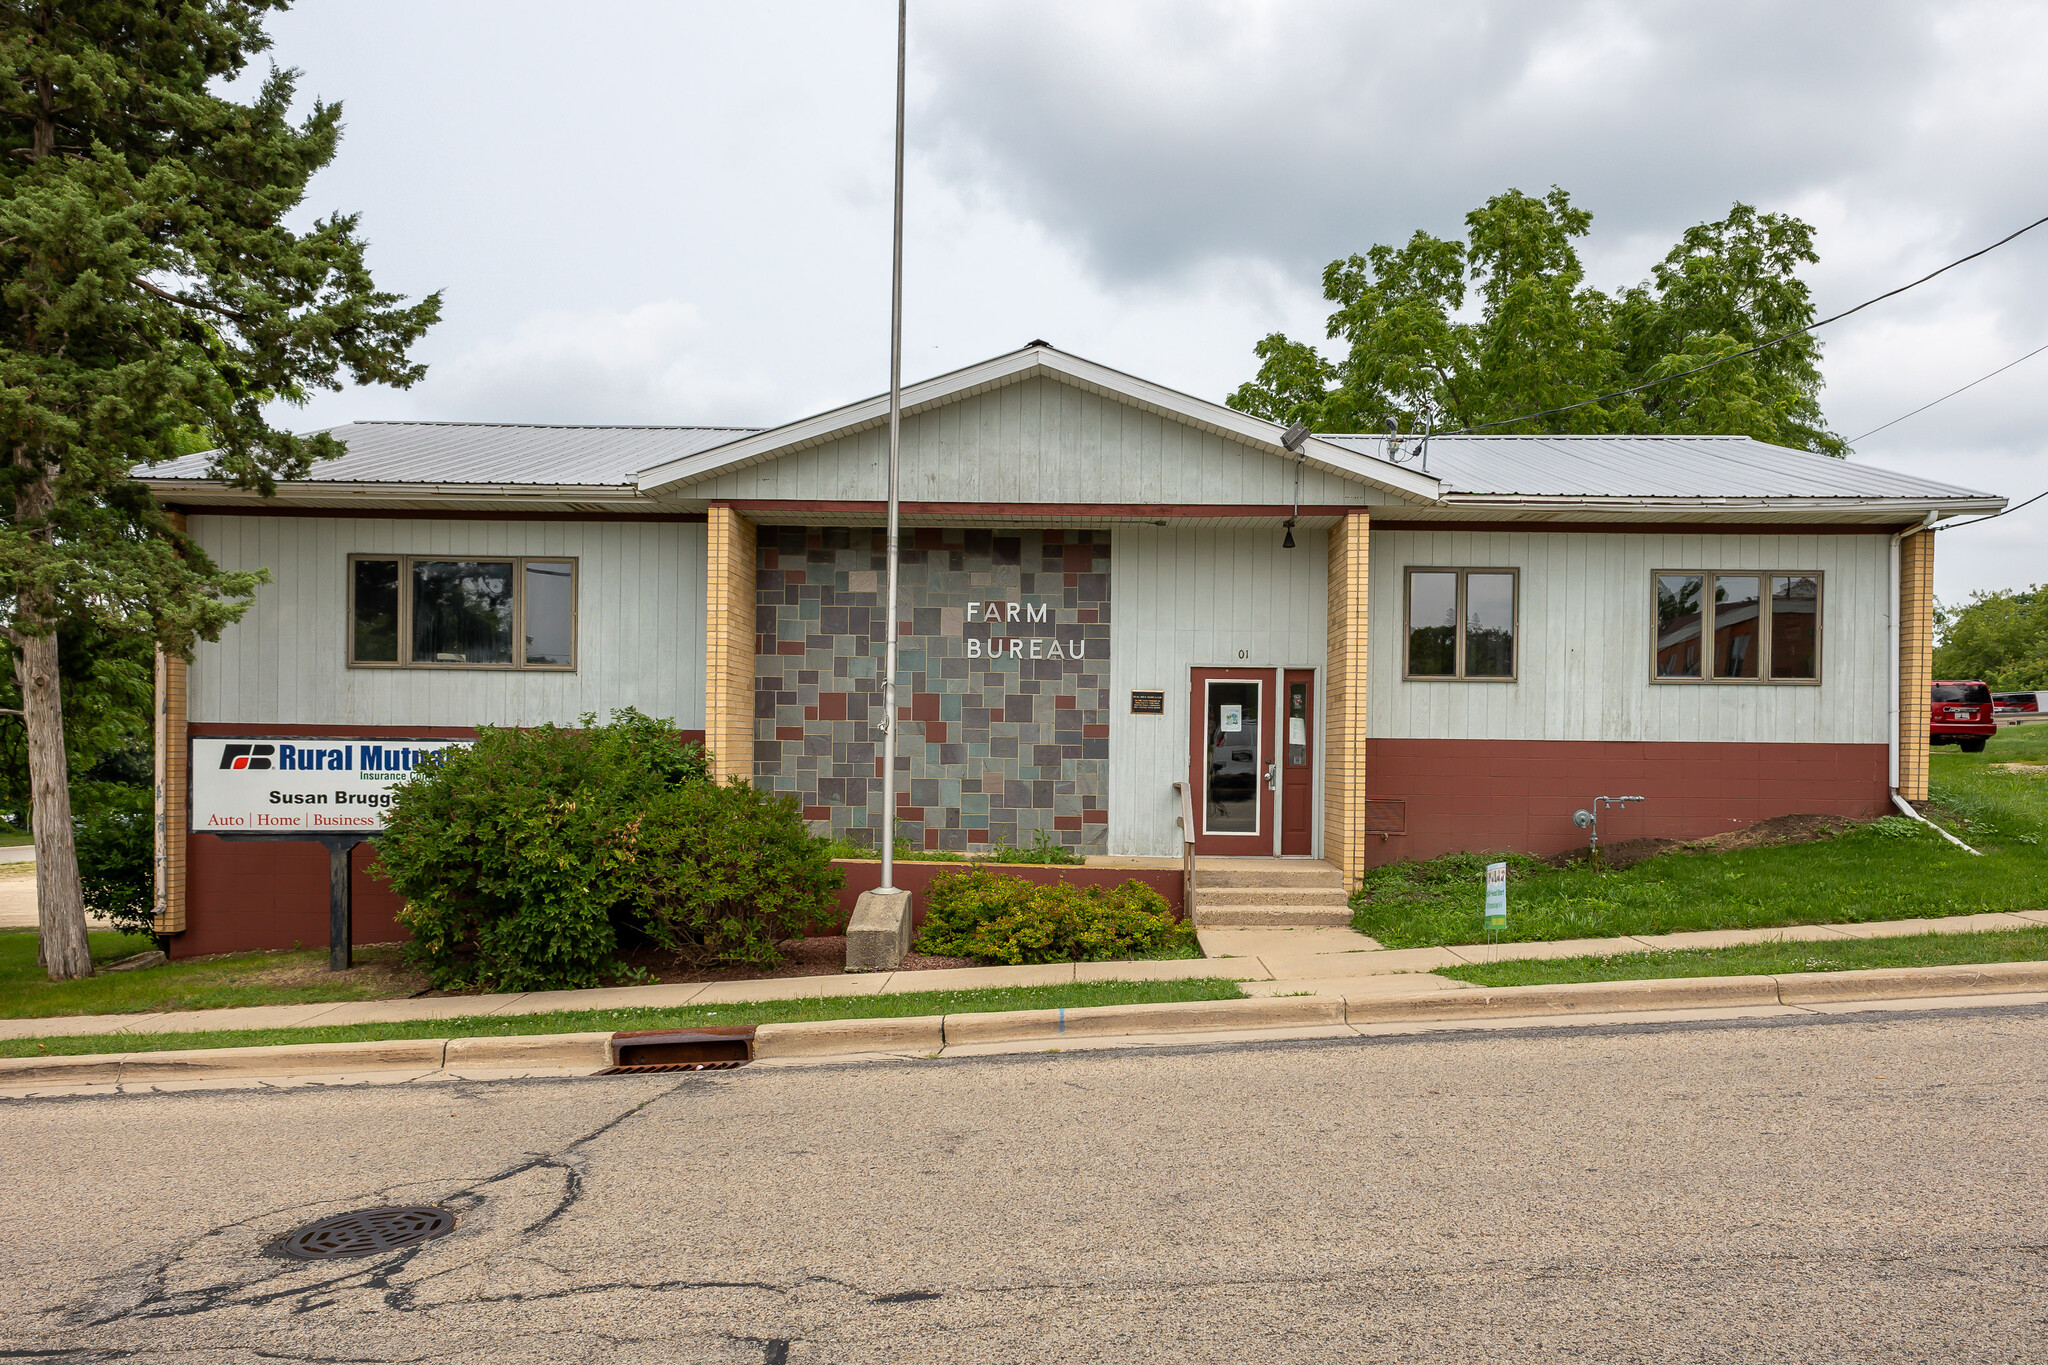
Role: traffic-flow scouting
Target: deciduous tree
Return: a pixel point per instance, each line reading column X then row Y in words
column 1476, row 332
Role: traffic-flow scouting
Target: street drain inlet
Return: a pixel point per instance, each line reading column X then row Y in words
column 699, row 1049
column 365, row 1232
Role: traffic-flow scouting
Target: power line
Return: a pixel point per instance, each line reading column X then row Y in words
column 1761, row 345
column 1945, row 397
column 1951, row 525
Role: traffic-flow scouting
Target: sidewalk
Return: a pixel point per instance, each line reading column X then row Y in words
column 1271, row 962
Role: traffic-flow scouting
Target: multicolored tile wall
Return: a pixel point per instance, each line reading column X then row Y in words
column 1003, row 694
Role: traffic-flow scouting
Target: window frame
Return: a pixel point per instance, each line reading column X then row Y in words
column 405, row 609
column 1764, row 631
column 1408, row 573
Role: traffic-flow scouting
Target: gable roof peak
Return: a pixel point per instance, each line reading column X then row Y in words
column 1040, row 359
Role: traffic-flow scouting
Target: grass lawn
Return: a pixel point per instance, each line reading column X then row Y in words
column 1768, row 959
column 281, row 978
column 1894, row 869
column 1073, row 996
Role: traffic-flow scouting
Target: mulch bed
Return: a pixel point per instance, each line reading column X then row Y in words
column 1780, row 829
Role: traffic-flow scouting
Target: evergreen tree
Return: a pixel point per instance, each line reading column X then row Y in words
column 1542, row 338
column 150, row 292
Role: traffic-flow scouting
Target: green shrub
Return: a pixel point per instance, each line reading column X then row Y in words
column 993, row 918
column 523, row 858
column 117, row 865
column 724, row 874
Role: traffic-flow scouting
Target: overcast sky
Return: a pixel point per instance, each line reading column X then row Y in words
column 679, row 212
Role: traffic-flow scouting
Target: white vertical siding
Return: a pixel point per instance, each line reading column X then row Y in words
column 1040, row 441
column 1587, row 619
column 1182, row 599
column 640, row 625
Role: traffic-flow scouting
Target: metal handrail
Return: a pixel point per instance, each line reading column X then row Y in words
column 1187, row 851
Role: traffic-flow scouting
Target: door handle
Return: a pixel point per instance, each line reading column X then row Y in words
column 1272, row 777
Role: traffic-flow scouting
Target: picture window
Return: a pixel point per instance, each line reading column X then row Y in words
column 432, row 611
column 1748, row 626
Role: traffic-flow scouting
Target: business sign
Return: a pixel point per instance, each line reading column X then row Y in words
column 260, row 785
column 1008, row 626
column 1497, row 896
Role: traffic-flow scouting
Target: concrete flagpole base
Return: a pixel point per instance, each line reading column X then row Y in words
column 878, row 935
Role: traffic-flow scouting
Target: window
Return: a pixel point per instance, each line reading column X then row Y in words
column 1461, row 624
column 413, row 611
column 1748, row 626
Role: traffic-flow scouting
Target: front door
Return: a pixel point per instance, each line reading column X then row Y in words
column 1231, row 747
column 1298, row 763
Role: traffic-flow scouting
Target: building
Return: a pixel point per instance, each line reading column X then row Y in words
column 1350, row 651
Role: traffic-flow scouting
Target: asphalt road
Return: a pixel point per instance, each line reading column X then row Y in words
column 1859, row 1189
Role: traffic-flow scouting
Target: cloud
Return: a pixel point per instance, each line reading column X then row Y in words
column 651, row 364
column 1160, row 133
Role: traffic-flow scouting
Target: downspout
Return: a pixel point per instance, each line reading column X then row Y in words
column 1906, row 807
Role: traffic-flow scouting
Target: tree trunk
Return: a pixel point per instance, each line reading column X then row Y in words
column 60, row 905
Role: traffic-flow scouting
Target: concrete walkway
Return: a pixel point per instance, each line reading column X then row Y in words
column 1267, row 961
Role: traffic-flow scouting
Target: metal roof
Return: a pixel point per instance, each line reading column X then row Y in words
column 1651, row 467
column 491, row 453
column 446, row 455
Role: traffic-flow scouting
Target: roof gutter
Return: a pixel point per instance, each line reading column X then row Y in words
column 1559, row 502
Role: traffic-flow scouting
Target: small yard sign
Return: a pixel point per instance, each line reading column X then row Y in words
column 1496, row 896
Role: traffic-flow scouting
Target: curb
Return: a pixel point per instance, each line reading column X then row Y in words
column 928, row 1034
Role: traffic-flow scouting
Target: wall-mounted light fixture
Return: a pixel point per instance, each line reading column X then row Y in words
column 1295, row 438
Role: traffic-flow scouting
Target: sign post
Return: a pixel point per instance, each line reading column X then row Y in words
column 1496, row 902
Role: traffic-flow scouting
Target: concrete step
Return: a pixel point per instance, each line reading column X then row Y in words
column 1276, row 873
column 1270, row 916
column 1270, row 895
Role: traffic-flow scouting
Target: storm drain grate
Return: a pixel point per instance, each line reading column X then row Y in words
column 668, row 1066
column 717, row 1048
column 365, row 1232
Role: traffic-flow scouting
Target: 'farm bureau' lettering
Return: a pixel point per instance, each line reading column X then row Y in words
column 1016, row 646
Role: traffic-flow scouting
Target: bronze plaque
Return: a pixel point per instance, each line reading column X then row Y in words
column 1148, row 703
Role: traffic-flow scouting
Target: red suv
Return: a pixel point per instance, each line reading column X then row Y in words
column 1962, row 715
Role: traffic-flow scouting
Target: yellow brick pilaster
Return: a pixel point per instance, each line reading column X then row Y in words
column 173, row 782
column 173, row 778
column 1344, row 697
column 1916, row 660
column 729, row 644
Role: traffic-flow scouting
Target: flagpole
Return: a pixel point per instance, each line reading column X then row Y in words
column 889, row 719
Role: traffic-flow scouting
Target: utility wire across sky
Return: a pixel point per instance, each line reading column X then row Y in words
column 1952, row 393
column 1766, row 343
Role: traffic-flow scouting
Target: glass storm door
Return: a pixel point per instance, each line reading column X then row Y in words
column 1231, row 746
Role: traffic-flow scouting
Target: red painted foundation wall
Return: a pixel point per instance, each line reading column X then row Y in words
column 246, row 895
column 1519, row 795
